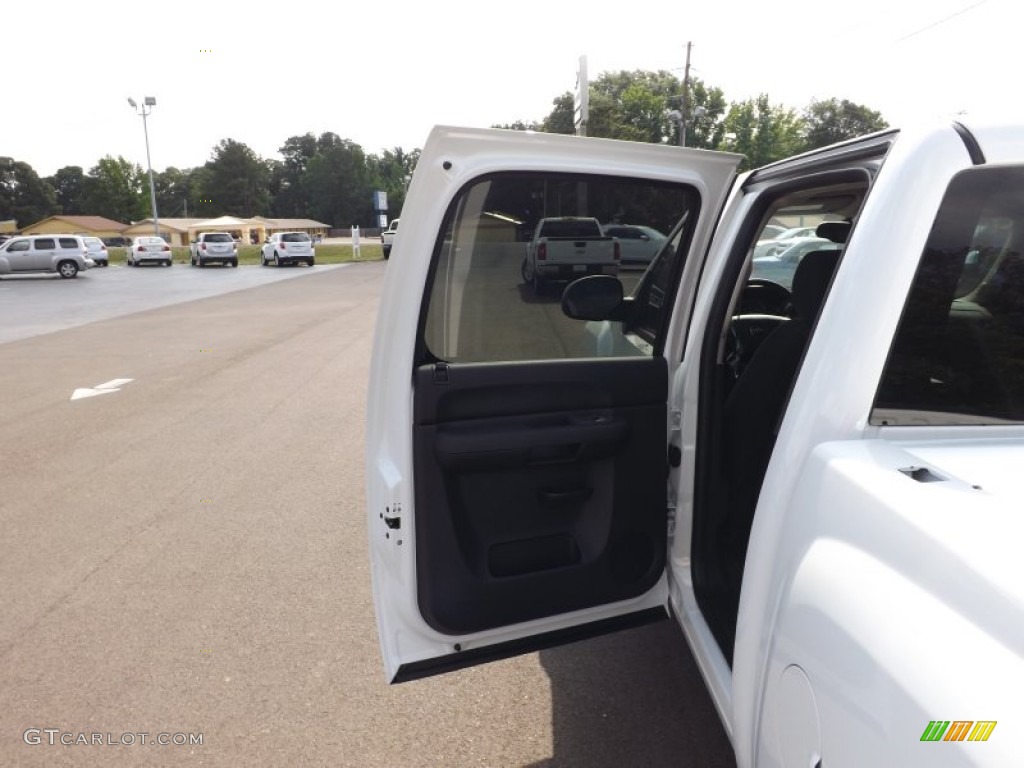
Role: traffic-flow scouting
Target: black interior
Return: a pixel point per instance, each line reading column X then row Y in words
column 540, row 487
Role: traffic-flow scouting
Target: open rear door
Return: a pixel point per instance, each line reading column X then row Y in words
column 516, row 458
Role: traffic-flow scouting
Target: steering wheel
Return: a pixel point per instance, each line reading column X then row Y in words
column 765, row 297
column 746, row 333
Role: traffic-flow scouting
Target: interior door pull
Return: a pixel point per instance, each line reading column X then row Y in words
column 551, row 497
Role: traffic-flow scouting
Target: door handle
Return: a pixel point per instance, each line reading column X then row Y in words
column 559, row 497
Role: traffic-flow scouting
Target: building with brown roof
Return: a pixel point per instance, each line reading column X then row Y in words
column 97, row 226
column 256, row 229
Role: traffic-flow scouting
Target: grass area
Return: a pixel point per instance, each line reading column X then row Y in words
column 326, row 253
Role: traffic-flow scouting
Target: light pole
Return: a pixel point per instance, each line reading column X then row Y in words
column 676, row 116
column 150, row 102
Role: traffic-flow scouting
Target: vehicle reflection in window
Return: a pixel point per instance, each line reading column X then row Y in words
column 511, row 244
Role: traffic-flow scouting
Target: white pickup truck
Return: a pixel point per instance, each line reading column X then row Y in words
column 387, row 238
column 822, row 485
column 568, row 247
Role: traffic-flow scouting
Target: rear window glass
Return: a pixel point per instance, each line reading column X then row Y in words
column 69, row 242
column 958, row 355
column 295, row 237
column 222, row 237
column 570, row 228
column 623, row 232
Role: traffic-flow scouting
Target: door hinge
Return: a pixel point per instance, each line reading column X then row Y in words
column 670, row 513
column 676, row 421
column 675, row 456
column 675, row 453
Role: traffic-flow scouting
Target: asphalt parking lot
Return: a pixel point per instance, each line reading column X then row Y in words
column 34, row 304
column 184, row 553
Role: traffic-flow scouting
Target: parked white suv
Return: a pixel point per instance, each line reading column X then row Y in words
column 67, row 255
column 288, row 248
column 210, row 247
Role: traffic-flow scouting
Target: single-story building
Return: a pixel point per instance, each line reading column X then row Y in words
column 174, row 231
column 255, row 230
column 96, row 226
column 309, row 226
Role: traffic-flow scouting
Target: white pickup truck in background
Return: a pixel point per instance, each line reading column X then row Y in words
column 816, row 473
column 568, row 247
column 387, row 238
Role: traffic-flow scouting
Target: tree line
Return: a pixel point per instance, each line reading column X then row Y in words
column 332, row 180
column 319, row 177
column 638, row 106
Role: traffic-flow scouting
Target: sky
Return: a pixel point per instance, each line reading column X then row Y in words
column 261, row 72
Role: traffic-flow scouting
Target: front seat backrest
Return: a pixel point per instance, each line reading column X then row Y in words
column 754, row 407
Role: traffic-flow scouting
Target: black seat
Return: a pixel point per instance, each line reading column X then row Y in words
column 754, row 407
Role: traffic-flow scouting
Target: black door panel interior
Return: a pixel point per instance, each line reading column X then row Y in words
column 540, row 488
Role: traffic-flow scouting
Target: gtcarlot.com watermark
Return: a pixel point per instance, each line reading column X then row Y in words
column 56, row 736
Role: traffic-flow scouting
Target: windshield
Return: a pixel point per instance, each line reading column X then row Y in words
column 570, row 228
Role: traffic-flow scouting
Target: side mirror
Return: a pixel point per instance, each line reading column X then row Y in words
column 597, row 297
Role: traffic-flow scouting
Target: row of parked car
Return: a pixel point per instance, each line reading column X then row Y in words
column 67, row 255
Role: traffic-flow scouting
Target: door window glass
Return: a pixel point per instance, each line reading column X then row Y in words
column 45, row 243
column 512, row 242
column 958, row 355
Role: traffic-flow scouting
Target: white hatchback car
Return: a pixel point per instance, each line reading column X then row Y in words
column 283, row 248
column 97, row 251
column 149, row 249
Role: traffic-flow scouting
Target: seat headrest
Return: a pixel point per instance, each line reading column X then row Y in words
column 811, row 280
column 836, row 231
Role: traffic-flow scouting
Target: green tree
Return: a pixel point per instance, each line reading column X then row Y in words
column 23, row 195
column 637, row 106
column 518, row 125
column 562, row 118
column 70, row 185
column 290, row 197
column 760, row 131
column 174, row 192
column 633, row 106
column 338, row 182
column 832, row 120
column 391, row 173
column 706, row 108
column 118, row 189
column 236, row 182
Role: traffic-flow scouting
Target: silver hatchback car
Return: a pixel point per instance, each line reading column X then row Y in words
column 67, row 255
